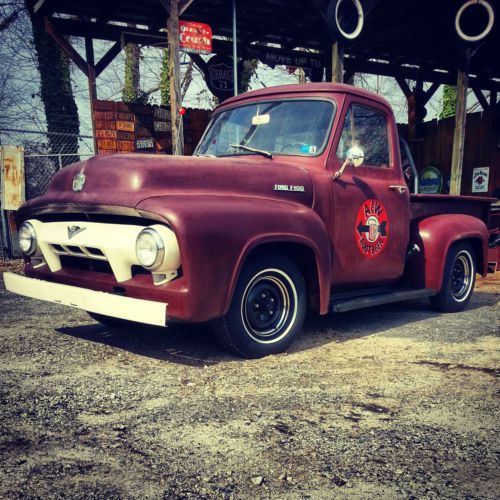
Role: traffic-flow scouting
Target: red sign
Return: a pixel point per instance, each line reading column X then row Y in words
column 372, row 228
column 195, row 37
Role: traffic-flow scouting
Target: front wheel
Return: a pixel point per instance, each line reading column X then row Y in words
column 267, row 310
column 458, row 279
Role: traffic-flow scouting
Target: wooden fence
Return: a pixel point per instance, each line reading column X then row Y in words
column 482, row 148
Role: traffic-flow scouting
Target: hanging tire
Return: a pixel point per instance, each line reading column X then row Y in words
column 267, row 310
column 458, row 279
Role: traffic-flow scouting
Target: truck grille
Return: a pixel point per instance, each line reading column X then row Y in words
column 78, row 251
column 85, row 264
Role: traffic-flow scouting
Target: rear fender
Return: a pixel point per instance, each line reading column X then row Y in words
column 435, row 235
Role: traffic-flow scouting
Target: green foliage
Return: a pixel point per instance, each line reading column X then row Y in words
column 56, row 92
column 165, row 80
column 449, row 101
column 249, row 68
column 131, row 89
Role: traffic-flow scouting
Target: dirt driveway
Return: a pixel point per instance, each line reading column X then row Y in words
column 391, row 402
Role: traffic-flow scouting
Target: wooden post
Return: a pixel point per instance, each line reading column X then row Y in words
column 457, row 158
column 175, row 78
column 338, row 62
column 89, row 54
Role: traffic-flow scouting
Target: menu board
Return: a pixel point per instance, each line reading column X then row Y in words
column 126, row 128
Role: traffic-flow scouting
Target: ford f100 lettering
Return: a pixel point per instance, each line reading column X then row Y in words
column 295, row 199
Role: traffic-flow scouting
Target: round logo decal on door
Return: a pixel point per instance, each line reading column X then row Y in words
column 372, row 228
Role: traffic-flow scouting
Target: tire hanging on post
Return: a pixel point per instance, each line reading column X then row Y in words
column 465, row 12
column 346, row 18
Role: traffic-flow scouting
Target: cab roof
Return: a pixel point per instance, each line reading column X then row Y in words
column 308, row 88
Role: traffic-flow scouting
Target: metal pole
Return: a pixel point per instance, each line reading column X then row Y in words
column 235, row 51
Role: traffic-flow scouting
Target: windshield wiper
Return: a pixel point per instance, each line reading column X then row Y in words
column 262, row 152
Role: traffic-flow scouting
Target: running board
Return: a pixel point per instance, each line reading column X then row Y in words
column 342, row 305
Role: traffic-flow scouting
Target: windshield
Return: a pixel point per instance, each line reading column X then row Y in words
column 293, row 127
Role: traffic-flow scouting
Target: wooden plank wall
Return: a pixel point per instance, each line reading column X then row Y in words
column 482, row 149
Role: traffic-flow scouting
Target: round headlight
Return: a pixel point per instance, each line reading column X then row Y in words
column 149, row 249
column 27, row 238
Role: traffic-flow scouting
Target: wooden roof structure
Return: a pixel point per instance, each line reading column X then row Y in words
column 413, row 39
column 408, row 40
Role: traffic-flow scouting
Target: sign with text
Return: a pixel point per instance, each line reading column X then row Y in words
column 195, row 37
column 431, row 181
column 219, row 76
column 480, row 178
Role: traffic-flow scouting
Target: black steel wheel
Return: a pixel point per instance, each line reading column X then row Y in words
column 458, row 279
column 267, row 310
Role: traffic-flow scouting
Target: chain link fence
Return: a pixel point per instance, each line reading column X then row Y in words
column 44, row 154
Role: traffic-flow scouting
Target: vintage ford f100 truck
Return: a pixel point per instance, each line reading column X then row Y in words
column 295, row 199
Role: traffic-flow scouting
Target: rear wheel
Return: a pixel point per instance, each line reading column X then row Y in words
column 458, row 279
column 267, row 310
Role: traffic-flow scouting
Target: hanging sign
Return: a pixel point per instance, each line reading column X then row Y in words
column 195, row 37
column 431, row 181
column 480, row 178
column 275, row 57
column 219, row 76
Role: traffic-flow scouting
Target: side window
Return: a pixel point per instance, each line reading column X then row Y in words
column 366, row 128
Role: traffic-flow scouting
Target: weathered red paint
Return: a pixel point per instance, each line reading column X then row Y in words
column 222, row 209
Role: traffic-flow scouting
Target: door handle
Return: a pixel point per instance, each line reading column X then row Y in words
column 399, row 189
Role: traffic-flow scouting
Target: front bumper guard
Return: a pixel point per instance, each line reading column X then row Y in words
column 116, row 306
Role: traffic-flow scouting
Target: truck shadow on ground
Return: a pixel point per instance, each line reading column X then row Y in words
column 195, row 344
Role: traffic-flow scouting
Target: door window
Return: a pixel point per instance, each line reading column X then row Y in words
column 366, row 128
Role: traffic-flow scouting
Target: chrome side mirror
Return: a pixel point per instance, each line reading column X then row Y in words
column 354, row 157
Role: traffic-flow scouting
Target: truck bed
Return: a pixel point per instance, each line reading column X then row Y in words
column 427, row 205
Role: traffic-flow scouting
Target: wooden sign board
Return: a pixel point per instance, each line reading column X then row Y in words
column 125, row 128
column 195, row 37
column 144, row 144
column 12, row 185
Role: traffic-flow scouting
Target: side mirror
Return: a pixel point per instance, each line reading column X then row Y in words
column 354, row 157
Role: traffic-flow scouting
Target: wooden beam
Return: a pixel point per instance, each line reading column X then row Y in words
column 43, row 7
column 199, row 62
column 321, row 7
column 338, row 62
column 430, row 92
column 175, row 79
column 415, row 73
column 480, row 97
column 107, row 58
column 403, row 85
column 457, row 157
column 184, row 5
column 66, row 47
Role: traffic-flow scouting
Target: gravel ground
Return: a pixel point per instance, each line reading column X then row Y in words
column 391, row 402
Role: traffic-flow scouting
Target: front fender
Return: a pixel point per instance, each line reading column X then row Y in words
column 435, row 235
column 216, row 234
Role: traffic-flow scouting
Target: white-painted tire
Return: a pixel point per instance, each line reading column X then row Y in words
column 458, row 279
column 267, row 310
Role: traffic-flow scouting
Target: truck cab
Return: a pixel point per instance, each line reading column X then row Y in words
column 295, row 199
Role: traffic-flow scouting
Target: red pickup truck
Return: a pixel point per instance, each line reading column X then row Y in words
column 295, row 199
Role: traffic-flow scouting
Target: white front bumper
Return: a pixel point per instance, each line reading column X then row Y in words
column 116, row 306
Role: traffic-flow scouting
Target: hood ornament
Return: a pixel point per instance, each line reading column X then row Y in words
column 78, row 182
column 74, row 230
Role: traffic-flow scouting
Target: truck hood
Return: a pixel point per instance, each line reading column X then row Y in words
column 126, row 180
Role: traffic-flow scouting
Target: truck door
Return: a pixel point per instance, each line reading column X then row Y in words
column 371, row 202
